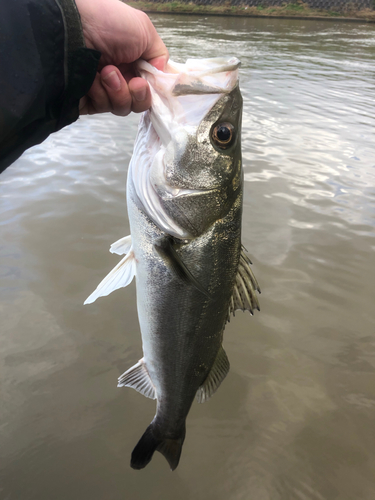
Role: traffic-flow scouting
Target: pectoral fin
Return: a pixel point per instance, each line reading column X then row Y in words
column 138, row 378
column 122, row 246
column 244, row 292
column 120, row 276
column 217, row 374
column 174, row 262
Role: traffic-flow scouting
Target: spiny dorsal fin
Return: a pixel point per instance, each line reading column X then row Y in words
column 244, row 291
column 138, row 378
column 120, row 276
column 215, row 377
column 122, row 246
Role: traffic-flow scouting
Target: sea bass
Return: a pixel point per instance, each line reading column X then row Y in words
column 184, row 196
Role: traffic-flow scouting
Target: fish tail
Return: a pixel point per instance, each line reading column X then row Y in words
column 150, row 442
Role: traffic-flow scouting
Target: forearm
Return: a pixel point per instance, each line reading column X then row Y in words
column 45, row 70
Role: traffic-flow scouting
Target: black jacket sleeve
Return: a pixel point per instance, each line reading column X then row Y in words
column 45, row 69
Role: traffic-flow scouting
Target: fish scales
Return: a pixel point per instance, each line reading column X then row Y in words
column 184, row 196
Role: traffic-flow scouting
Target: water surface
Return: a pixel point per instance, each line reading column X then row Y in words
column 295, row 417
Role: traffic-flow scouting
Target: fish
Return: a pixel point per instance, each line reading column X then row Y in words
column 184, row 198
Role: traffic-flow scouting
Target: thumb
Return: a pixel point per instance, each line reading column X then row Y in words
column 159, row 62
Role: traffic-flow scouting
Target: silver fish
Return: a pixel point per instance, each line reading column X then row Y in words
column 184, row 195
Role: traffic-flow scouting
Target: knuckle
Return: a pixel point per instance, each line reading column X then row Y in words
column 144, row 17
column 121, row 111
column 121, row 104
column 101, row 106
column 139, row 107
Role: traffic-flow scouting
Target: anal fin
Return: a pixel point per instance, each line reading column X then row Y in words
column 138, row 378
column 217, row 374
column 245, row 288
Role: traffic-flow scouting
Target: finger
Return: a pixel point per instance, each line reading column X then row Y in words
column 159, row 62
column 141, row 95
column 117, row 90
column 127, row 71
column 155, row 49
column 83, row 106
column 96, row 100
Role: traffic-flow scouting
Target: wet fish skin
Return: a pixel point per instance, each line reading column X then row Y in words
column 182, row 329
column 184, row 196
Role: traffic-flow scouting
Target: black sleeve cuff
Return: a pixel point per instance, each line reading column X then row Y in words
column 45, row 70
column 81, row 65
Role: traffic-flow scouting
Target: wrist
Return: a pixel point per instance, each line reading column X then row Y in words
column 80, row 63
column 72, row 25
column 90, row 11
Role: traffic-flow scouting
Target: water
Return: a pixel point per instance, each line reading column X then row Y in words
column 295, row 417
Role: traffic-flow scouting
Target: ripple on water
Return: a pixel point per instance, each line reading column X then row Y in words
column 295, row 416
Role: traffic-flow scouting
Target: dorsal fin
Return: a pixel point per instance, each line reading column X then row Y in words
column 138, row 378
column 217, row 374
column 120, row 276
column 244, row 291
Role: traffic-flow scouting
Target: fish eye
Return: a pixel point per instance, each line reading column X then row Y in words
column 223, row 135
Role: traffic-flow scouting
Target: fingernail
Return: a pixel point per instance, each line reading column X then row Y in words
column 113, row 81
column 140, row 95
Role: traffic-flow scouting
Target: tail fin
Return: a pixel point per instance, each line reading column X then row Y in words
column 149, row 442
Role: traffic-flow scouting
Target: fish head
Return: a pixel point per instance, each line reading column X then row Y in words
column 192, row 135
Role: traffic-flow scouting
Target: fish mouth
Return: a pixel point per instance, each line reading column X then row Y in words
column 168, row 192
column 196, row 76
column 184, row 93
column 182, row 96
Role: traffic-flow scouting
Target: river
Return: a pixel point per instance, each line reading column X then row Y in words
column 295, row 418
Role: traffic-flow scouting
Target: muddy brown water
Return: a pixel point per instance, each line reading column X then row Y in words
column 295, row 418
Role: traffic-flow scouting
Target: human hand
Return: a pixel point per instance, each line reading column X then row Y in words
column 122, row 35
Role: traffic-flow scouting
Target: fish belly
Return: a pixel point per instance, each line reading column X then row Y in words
column 182, row 328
